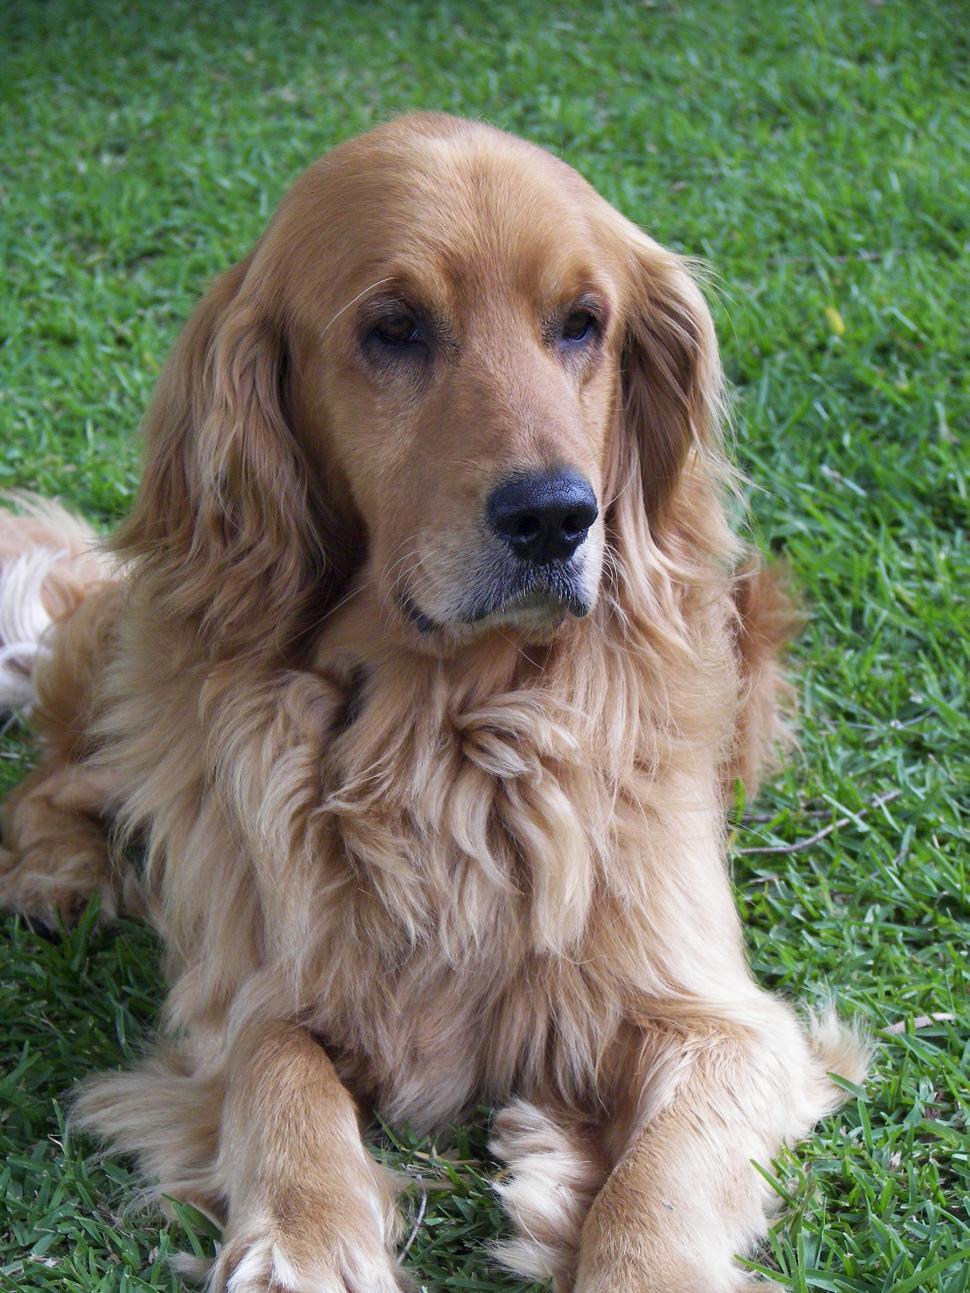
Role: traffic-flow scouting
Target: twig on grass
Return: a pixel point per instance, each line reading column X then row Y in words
column 921, row 1021
column 422, row 1205
column 799, row 845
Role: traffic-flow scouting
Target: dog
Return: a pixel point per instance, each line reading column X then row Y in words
column 422, row 670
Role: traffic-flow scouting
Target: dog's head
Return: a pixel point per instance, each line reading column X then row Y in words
column 449, row 369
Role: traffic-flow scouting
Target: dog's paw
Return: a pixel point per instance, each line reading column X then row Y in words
column 53, row 881
column 265, row 1260
column 552, row 1176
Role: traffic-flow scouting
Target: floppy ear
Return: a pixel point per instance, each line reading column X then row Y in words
column 671, row 399
column 227, row 524
column 668, row 528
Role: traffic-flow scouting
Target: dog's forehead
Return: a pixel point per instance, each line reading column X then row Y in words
column 464, row 211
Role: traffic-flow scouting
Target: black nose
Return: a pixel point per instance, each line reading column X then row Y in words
column 543, row 516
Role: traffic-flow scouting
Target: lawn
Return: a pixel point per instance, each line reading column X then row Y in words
column 816, row 156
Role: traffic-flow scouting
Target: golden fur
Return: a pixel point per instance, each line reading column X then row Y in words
column 399, row 856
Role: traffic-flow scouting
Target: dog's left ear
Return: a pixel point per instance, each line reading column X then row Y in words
column 671, row 397
column 230, row 528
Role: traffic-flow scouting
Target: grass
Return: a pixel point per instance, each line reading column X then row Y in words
column 817, row 156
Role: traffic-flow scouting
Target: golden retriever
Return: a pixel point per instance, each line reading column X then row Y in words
column 421, row 668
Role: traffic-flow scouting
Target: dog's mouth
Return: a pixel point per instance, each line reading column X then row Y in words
column 533, row 597
column 546, row 593
column 415, row 615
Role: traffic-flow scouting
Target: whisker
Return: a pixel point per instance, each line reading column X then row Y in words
column 353, row 301
column 343, row 602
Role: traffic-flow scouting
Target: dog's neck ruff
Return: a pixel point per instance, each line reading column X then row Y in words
column 468, row 788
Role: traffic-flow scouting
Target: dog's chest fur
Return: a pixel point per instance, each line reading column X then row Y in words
column 463, row 876
column 468, row 840
column 454, row 865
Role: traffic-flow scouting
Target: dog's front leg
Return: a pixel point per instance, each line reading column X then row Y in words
column 309, row 1211
column 683, row 1197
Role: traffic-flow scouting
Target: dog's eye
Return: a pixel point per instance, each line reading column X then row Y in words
column 398, row 329
column 578, row 325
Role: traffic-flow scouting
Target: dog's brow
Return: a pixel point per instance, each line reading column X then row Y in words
column 353, row 301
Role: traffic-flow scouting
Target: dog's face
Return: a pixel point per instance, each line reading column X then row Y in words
column 458, row 369
column 468, row 355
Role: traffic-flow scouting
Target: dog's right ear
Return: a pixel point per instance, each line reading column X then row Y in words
column 228, row 524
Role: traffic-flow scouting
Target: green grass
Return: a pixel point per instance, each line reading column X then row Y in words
column 817, row 156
